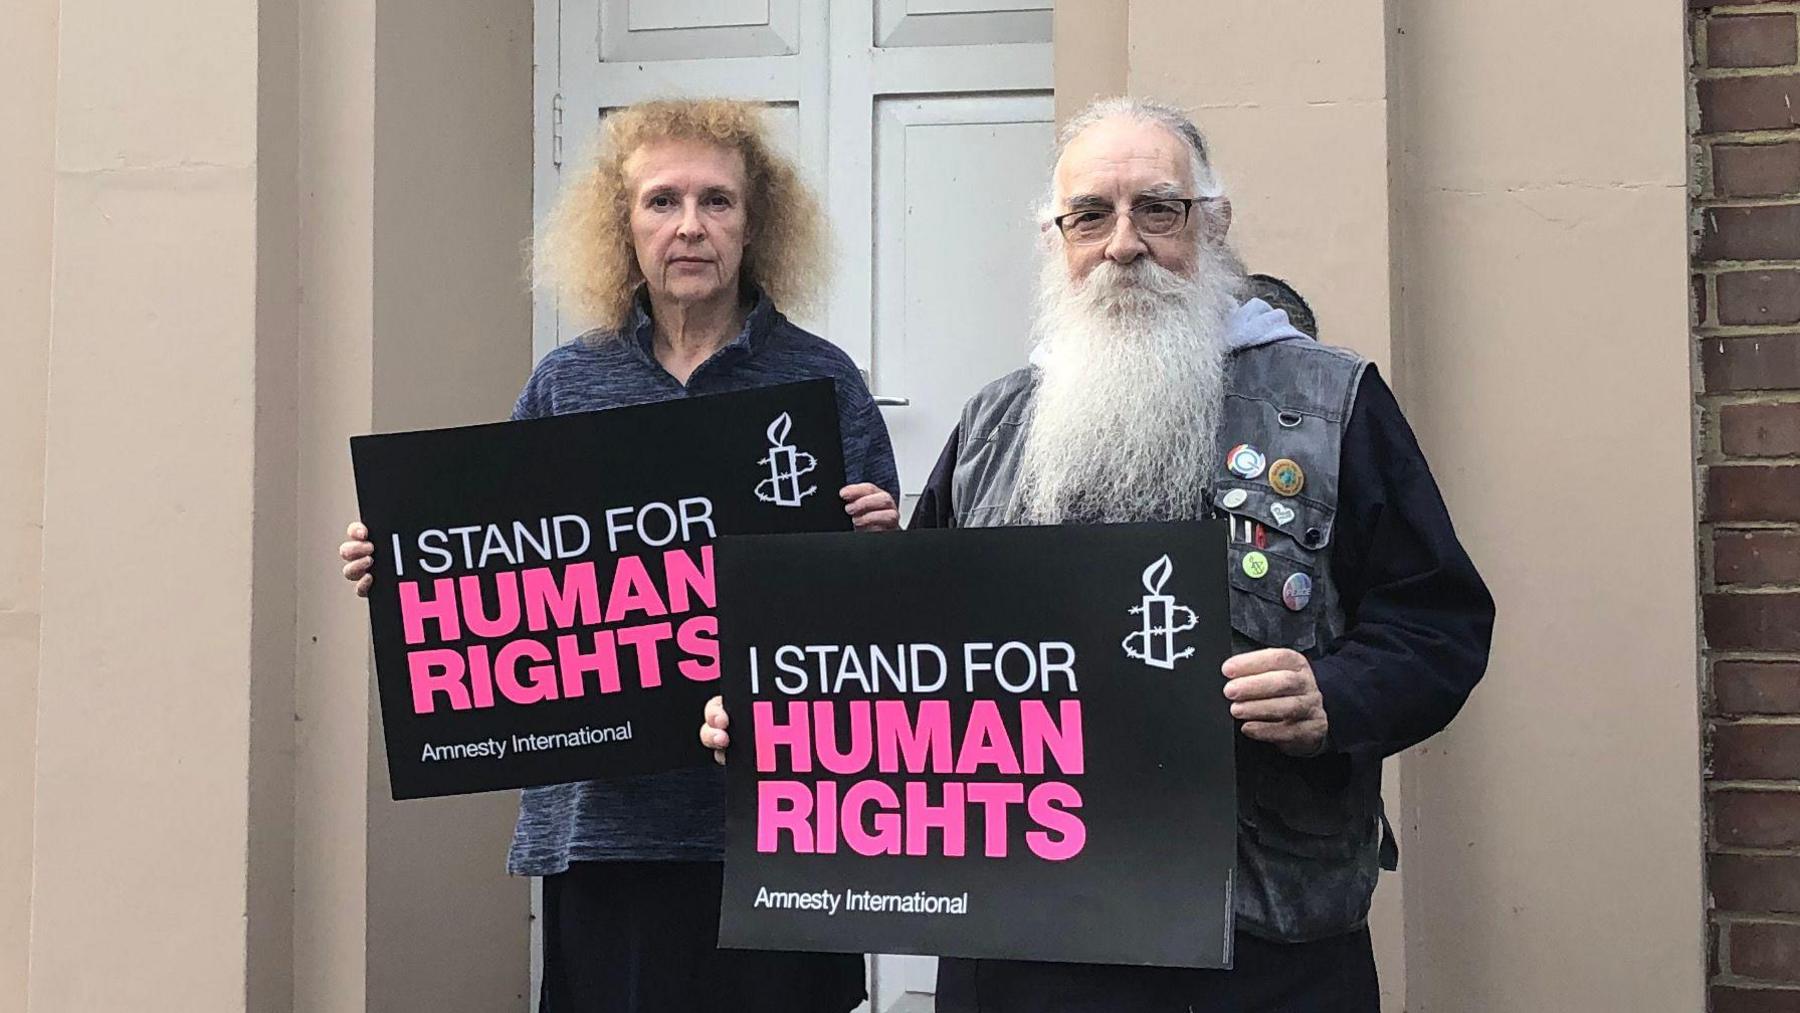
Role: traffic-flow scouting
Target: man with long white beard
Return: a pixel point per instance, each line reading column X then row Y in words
column 1155, row 393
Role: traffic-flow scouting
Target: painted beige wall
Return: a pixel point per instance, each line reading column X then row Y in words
column 27, row 182
column 332, row 708
column 143, row 760
column 1555, row 857
column 1093, row 47
column 1292, row 95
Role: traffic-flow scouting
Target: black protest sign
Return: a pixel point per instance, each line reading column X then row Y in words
column 1005, row 743
column 544, row 607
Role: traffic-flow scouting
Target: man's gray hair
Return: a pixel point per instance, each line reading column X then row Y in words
column 1206, row 182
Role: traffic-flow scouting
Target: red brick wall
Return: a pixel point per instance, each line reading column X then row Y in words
column 1746, row 68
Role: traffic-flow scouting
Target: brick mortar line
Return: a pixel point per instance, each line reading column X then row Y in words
column 1750, row 462
column 1710, row 332
column 1731, row 399
column 1752, row 984
column 1768, row 264
column 1724, row 460
column 1709, row 72
column 1734, row 10
column 1781, row 200
column 1782, row 720
column 1740, row 73
column 1742, row 852
column 1749, row 525
column 1753, row 788
column 1740, row 656
column 1757, row 136
column 1774, row 918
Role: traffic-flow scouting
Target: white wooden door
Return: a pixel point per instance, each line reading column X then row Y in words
column 925, row 126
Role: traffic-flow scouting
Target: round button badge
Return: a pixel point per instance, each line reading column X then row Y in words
column 1245, row 461
column 1286, row 477
column 1234, row 499
column 1256, row 565
column 1296, row 592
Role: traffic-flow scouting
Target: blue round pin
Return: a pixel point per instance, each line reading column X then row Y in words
column 1296, row 592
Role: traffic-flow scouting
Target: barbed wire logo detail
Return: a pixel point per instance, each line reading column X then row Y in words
column 786, row 465
column 1164, row 617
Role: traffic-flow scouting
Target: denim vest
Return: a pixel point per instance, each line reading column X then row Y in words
column 1311, row 834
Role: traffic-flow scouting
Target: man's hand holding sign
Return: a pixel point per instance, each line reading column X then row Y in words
column 1274, row 693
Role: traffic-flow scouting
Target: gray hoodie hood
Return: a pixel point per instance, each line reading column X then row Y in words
column 1257, row 323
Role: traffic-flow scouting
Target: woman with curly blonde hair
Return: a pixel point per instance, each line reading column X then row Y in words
column 678, row 242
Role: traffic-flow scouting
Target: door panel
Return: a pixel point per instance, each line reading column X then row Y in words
column 954, row 189
column 961, row 22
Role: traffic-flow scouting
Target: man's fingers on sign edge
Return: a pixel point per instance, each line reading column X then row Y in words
column 1269, row 659
column 858, row 491
column 1265, row 686
column 1285, row 709
column 357, row 531
column 1274, row 732
column 355, row 550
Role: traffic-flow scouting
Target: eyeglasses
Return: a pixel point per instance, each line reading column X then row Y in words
column 1151, row 218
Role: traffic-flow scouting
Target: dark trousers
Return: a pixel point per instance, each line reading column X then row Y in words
column 1335, row 975
column 642, row 937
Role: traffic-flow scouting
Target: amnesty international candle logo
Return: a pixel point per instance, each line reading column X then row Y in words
column 948, row 779
column 545, row 601
column 1163, row 618
column 786, row 465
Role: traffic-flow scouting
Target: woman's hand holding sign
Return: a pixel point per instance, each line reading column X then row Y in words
column 870, row 507
column 1274, row 693
column 712, row 731
column 358, row 555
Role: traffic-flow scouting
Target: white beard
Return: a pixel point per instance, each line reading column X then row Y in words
column 1131, row 391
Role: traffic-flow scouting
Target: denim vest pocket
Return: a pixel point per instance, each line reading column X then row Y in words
column 1308, row 814
column 1259, row 617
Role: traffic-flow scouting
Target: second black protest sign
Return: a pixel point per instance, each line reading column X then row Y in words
column 1005, row 743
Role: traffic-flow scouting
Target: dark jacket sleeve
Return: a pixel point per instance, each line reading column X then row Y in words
column 934, row 509
column 1420, row 620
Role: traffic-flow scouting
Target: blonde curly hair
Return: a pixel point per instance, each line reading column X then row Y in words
column 584, row 251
